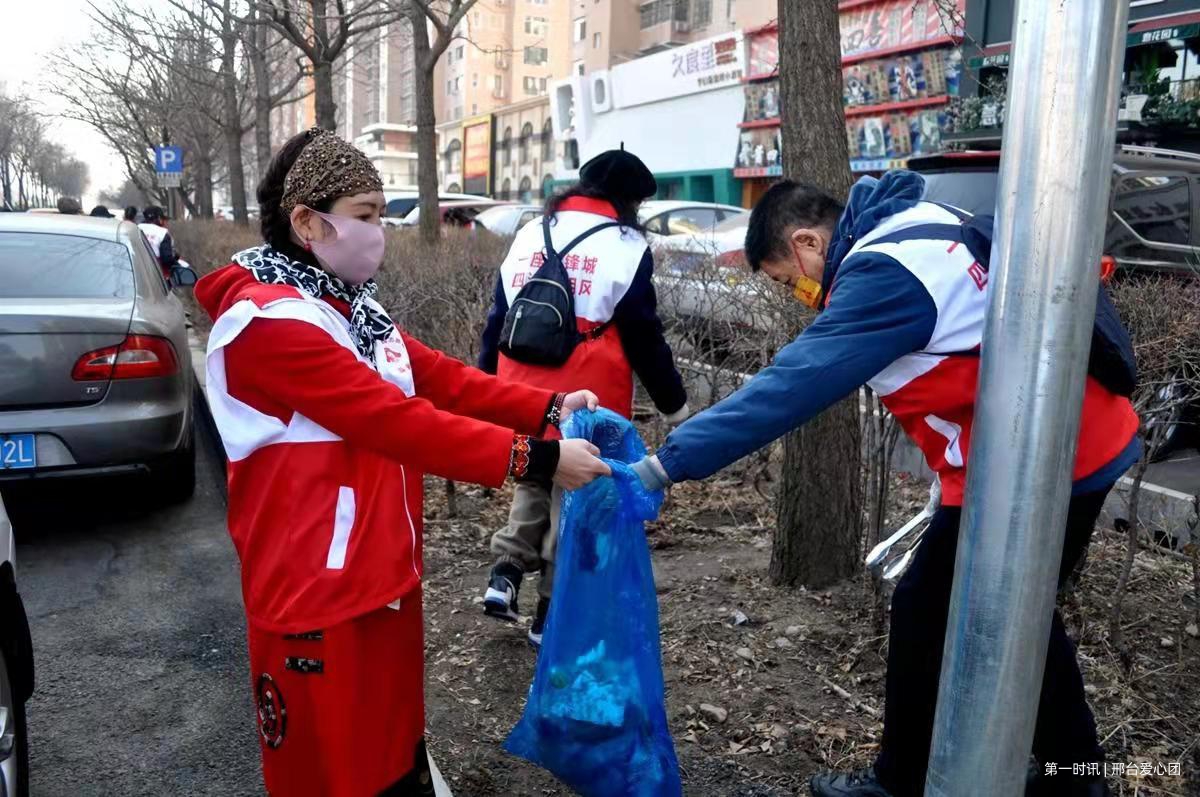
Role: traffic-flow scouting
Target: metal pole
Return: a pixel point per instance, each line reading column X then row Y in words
column 1059, row 135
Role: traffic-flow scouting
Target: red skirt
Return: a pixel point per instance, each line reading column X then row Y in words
column 341, row 710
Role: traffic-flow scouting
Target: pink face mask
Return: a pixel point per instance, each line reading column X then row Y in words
column 355, row 253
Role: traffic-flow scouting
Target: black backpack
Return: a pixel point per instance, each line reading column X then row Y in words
column 540, row 327
column 1111, row 361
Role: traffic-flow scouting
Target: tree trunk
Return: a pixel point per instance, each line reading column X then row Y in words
column 427, row 186
column 6, row 181
column 262, row 97
column 232, row 118
column 204, row 188
column 820, row 499
column 323, row 96
column 326, row 108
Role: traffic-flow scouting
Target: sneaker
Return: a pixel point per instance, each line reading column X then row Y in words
column 500, row 600
column 860, row 783
column 539, row 623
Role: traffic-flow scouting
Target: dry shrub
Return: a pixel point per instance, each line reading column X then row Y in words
column 1163, row 318
column 441, row 294
column 207, row 244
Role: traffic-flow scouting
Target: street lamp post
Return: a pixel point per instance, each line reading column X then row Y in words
column 1055, row 171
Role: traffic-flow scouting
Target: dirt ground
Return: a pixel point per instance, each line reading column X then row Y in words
column 801, row 679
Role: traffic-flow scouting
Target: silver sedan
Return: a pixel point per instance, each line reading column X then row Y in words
column 95, row 374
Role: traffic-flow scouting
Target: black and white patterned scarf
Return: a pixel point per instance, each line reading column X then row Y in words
column 368, row 323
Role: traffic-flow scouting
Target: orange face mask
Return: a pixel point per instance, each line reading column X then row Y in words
column 808, row 292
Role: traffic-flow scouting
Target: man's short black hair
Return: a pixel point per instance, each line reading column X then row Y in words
column 786, row 205
column 131, row 213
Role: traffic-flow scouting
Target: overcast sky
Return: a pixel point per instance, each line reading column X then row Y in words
column 29, row 32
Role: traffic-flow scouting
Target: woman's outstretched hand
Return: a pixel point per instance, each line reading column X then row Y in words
column 578, row 464
column 579, row 400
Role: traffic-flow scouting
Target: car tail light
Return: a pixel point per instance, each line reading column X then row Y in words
column 137, row 357
column 1108, row 267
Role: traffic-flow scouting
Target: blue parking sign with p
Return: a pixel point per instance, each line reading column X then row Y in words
column 168, row 159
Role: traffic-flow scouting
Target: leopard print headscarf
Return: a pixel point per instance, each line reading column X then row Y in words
column 327, row 168
column 368, row 323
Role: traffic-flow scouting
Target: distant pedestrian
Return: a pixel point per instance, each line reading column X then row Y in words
column 69, row 206
column 131, row 213
column 101, row 212
column 154, row 227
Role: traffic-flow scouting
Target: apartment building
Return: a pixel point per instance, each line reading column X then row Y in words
column 605, row 33
column 508, row 54
column 507, row 51
column 377, row 103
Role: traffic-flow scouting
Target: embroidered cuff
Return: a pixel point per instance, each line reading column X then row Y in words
column 533, row 460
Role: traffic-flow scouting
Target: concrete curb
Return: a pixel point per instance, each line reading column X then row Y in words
column 209, row 437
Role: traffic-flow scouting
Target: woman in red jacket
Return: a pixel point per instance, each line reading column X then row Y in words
column 330, row 416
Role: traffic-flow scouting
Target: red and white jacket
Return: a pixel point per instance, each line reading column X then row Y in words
column 327, row 449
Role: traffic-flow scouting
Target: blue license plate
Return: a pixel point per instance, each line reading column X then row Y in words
column 17, row 451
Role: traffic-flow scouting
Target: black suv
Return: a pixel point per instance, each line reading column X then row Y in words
column 1154, row 219
column 1153, row 223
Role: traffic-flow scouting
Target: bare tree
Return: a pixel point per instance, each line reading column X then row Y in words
column 12, row 111
column 123, row 196
column 143, row 81
column 323, row 30
column 817, row 539
column 196, row 48
column 444, row 18
column 278, row 70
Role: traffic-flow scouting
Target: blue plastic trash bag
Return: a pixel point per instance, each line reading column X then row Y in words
column 595, row 715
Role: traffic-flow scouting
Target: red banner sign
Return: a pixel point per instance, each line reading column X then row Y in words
column 897, row 23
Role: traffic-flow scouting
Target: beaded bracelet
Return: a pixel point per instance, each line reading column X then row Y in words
column 554, row 414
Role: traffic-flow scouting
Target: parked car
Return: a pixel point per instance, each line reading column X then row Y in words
column 457, row 211
column 724, row 243
column 1153, row 225
column 400, row 203
column 16, row 670
column 93, row 346
column 663, row 217
column 1154, row 208
column 507, row 219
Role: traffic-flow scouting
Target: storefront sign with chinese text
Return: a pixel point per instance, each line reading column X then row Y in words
column 714, row 63
column 1162, row 34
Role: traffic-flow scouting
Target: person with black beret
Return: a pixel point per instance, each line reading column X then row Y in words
column 616, row 311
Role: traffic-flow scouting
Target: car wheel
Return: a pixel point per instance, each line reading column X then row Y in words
column 1175, row 429
column 14, row 741
column 174, row 478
